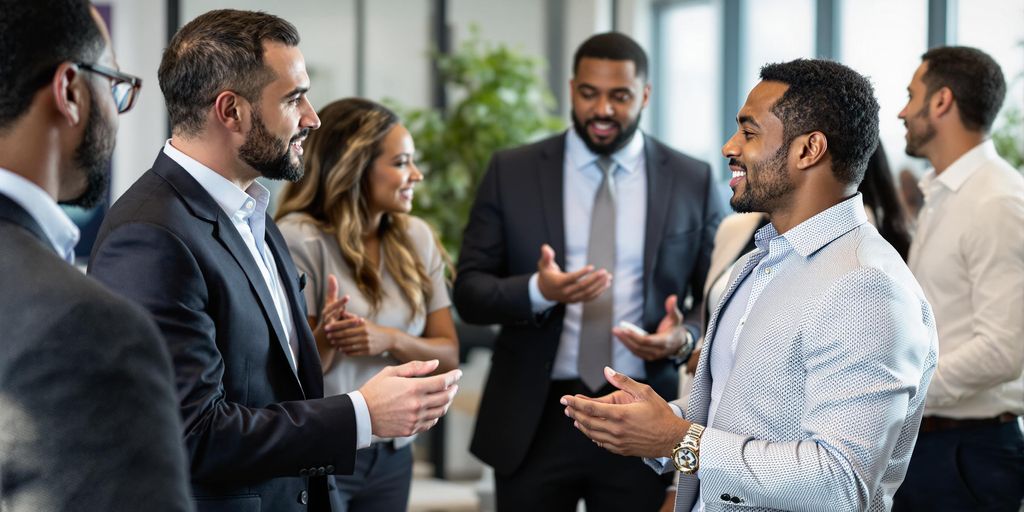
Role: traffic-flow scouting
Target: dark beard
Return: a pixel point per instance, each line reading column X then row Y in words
column 916, row 140
column 261, row 152
column 623, row 138
column 92, row 157
column 772, row 184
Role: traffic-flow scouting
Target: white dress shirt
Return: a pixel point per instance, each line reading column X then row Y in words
column 247, row 210
column 581, row 179
column 968, row 255
column 62, row 233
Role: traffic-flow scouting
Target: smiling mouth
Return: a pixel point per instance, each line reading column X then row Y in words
column 738, row 175
column 406, row 194
column 603, row 129
column 296, row 145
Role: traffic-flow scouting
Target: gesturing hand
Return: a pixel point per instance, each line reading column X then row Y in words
column 402, row 402
column 664, row 342
column 632, row 421
column 357, row 336
column 568, row 287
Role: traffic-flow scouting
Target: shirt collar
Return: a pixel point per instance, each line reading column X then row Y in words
column 819, row 230
column 55, row 223
column 627, row 157
column 962, row 169
column 237, row 203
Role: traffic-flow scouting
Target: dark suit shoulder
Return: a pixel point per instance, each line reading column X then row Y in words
column 551, row 147
column 681, row 162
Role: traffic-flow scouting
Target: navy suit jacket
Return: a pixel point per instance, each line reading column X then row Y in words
column 259, row 435
column 519, row 207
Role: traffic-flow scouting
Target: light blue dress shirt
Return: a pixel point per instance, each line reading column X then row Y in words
column 61, row 232
column 247, row 210
column 581, row 179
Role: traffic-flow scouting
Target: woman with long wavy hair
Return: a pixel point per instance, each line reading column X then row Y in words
column 348, row 228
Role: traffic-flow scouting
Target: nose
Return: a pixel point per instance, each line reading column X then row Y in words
column 604, row 107
column 415, row 176
column 309, row 118
column 903, row 113
column 731, row 149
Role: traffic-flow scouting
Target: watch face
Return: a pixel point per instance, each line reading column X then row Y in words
column 686, row 458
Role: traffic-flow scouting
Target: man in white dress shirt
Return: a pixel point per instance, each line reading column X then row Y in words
column 968, row 255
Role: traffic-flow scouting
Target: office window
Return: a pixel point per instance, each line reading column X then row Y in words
column 884, row 40
column 776, row 31
column 689, row 67
column 987, row 25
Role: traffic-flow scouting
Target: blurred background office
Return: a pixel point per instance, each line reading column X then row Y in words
column 705, row 57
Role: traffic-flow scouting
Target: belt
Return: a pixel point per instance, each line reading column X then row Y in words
column 938, row 423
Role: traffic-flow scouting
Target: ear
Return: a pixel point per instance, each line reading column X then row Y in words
column 231, row 110
column 647, row 94
column 69, row 92
column 941, row 102
column 811, row 149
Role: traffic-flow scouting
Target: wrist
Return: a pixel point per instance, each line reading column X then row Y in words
column 686, row 343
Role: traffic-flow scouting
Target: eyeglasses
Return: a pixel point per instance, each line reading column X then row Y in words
column 124, row 87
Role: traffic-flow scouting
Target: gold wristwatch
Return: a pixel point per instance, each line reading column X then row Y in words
column 686, row 454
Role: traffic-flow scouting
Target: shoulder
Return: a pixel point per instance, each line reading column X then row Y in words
column 551, row 146
column 996, row 181
column 420, row 234
column 298, row 226
column 680, row 161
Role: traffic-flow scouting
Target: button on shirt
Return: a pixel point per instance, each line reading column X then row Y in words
column 581, row 179
column 248, row 213
column 60, row 231
column 968, row 255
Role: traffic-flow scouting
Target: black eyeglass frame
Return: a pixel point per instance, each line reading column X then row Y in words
column 119, row 78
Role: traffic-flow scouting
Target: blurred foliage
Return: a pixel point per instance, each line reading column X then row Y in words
column 1008, row 136
column 497, row 100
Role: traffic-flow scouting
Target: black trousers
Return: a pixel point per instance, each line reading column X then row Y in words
column 970, row 469
column 380, row 482
column 563, row 466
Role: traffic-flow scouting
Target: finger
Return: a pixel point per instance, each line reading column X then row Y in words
column 439, row 383
column 547, row 257
column 571, row 278
column 332, row 289
column 591, row 284
column 623, row 382
column 441, row 398
column 344, row 324
column 350, row 335
column 333, row 309
column 627, row 337
column 672, row 309
column 415, row 368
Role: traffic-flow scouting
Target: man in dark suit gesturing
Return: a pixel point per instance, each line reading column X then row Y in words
column 192, row 243
column 600, row 200
column 88, row 419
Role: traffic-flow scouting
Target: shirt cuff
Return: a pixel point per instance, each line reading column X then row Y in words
column 364, row 430
column 676, row 409
column 538, row 303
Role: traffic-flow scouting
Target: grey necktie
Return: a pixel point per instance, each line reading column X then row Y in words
column 595, row 349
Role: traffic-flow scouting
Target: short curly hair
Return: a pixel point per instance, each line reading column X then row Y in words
column 831, row 98
column 974, row 77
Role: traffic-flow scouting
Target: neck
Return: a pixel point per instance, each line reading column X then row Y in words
column 946, row 150
column 209, row 151
column 34, row 151
column 373, row 225
column 806, row 203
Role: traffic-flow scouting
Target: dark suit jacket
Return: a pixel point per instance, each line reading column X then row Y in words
column 88, row 418
column 518, row 208
column 253, row 430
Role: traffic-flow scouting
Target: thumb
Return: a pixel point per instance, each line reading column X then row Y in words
column 547, row 256
column 623, row 382
column 414, row 368
column 672, row 309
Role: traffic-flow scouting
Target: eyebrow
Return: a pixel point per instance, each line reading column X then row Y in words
column 297, row 90
column 746, row 119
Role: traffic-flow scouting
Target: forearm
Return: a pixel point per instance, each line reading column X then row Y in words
column 406, row 347
column 483, row 298
column 980, row 364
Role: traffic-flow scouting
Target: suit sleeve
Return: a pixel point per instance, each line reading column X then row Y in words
column 868, row 359
column 88, row 415
column 484, row 292
column 714, row 211
column 226, row 441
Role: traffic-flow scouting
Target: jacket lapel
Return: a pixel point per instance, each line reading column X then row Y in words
column 15, row 214
column 204, row 207
column 551, row 170
column 309, row 372
column 659, row 191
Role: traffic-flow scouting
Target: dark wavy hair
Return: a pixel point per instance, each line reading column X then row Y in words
column 974, row 77
column 882, row 199
column 831, row 98
column 612, row 46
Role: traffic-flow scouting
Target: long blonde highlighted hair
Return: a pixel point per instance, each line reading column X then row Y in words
column 334, row 193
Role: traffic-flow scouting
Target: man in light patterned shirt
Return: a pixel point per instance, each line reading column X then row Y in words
column 811, row 384
column 968, row 254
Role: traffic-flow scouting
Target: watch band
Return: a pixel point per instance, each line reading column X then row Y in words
column 686, row 348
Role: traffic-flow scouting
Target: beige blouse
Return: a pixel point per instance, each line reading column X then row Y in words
column 316, row 253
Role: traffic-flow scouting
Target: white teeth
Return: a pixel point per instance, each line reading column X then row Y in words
column 739, row 174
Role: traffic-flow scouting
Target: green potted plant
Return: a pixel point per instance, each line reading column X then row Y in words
column 499, row 102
